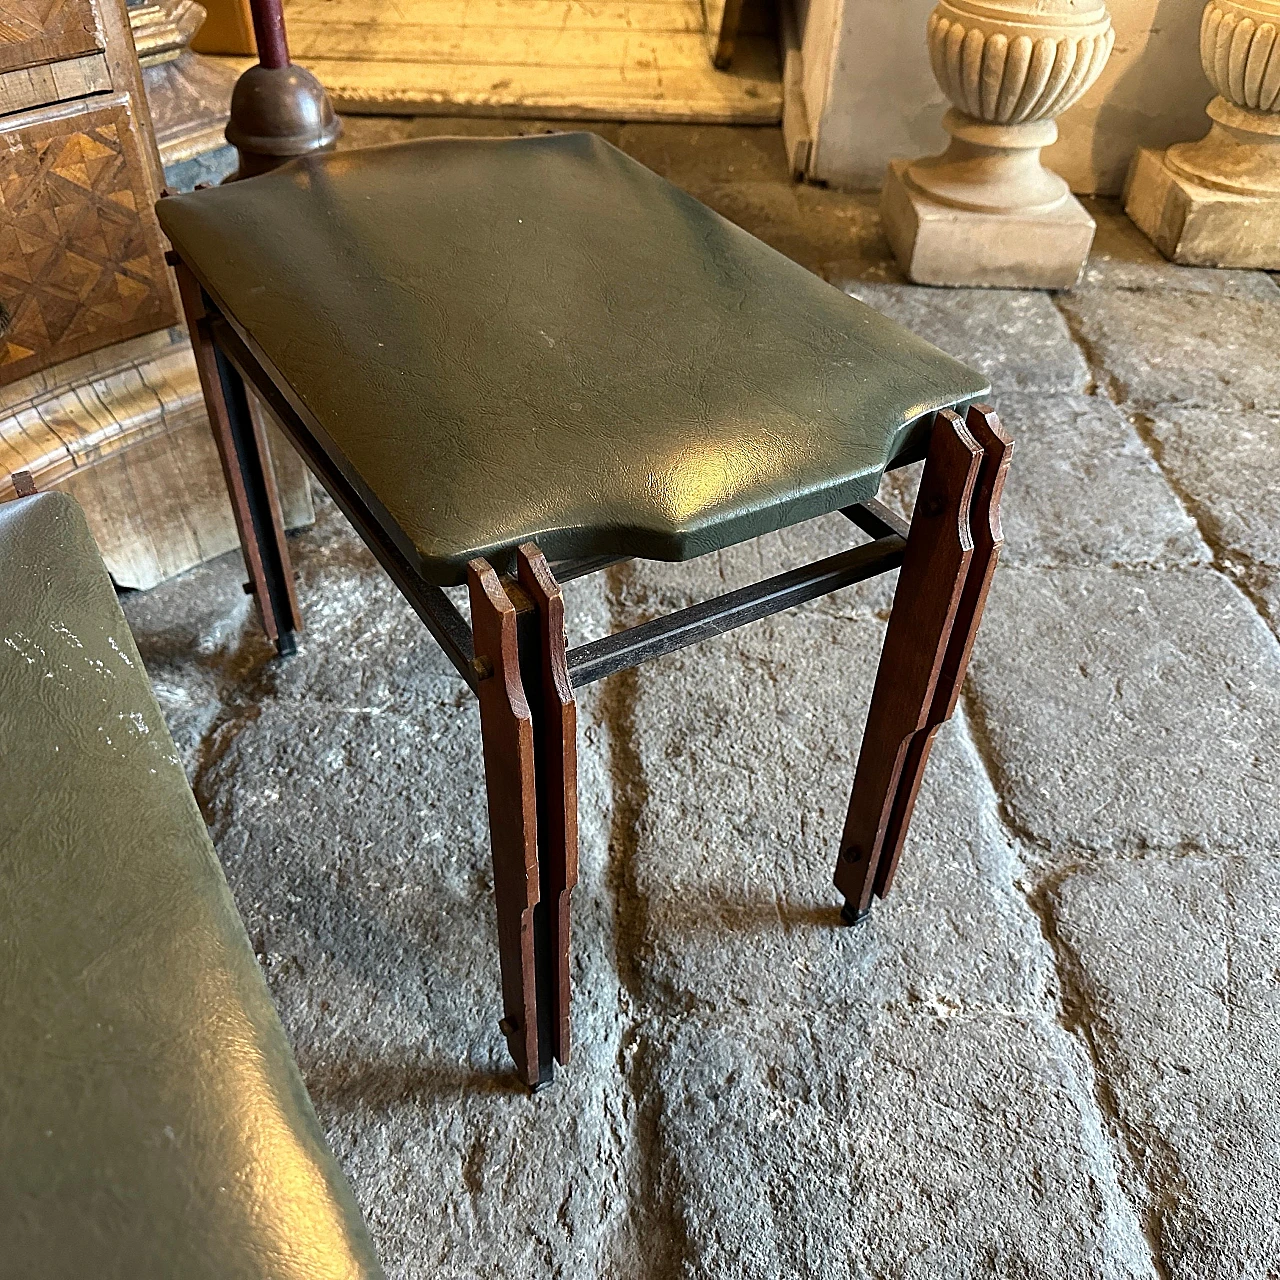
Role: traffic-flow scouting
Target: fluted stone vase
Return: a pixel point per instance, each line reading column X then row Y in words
column 986, row 211
column 1216, row 202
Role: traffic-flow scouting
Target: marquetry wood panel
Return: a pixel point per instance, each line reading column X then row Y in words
column 81, row 261
column 33, row 32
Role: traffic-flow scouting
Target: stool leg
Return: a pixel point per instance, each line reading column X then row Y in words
column 988, row 539
column 556, row 756
column 930, row 586
column 506, row 726
column 246, row 467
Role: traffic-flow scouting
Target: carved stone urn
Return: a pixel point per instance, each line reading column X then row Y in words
column 986, row 211
column 1216, row 202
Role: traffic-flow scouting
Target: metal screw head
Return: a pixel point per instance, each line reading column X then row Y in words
column 852, row 854
column 508, row 1026
column 482, row 667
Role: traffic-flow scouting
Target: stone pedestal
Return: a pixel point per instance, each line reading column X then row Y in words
column 986, row 211
column 1216, row 202
column 940, row 244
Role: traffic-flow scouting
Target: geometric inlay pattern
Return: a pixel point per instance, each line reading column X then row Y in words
column 81, row 261
column 38, row 31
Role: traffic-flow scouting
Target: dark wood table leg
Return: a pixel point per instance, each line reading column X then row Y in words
column 246, row 466
column 930, row 586
column 556, row 771
column 988, row 538
column 506, row 726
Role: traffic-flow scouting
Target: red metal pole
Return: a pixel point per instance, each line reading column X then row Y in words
column 268, row 32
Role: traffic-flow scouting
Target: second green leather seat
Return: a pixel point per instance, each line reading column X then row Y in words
column 538, row 338
column 153, row 1124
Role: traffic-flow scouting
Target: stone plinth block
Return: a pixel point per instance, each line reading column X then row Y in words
column 937, row 243
column 1201, row 226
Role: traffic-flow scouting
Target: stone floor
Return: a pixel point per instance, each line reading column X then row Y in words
column 1053, row 1052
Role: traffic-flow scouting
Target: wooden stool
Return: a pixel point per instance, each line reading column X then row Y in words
column 495, row 353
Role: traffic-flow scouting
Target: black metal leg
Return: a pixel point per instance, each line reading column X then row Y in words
column 262, row 502
column 251, row 483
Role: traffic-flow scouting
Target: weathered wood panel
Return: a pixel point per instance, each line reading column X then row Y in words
column 561, row 59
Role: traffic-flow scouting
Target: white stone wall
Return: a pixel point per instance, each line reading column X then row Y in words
column 870, row 95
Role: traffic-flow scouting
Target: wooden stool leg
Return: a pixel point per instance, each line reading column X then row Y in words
column 251, row 481
column 556, row 754
column 506, row 725
column 930, row 586
column 988, row 539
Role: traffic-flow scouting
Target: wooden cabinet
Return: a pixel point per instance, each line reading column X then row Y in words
column 81, row 257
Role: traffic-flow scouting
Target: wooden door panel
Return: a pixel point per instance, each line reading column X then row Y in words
column 81, row 259
column 33, row 32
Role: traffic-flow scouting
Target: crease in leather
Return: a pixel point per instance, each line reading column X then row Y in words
column 504, row 339
column 153, row 1122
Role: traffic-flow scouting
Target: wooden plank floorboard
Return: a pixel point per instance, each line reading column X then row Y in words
column 559, row 59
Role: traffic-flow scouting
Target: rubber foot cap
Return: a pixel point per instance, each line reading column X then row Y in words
column 851, row 915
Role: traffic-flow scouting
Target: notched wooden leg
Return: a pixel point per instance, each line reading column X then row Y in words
column 506, row 725
column 930, row 585
column 988, row 539
column 556, row 753
column 246, row 467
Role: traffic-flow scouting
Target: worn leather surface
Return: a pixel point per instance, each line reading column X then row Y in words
column 505, row 339
column 152, row 1121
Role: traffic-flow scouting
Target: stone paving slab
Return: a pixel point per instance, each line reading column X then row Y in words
column 748, row 745
column 1017, row 339
column 1123, row 258
column 925, row 1147
column 821, row 1091
column 1226, row 466
column 1125, row 709
column 1083, row 490
column 1150, row 347
column 1188, row 1038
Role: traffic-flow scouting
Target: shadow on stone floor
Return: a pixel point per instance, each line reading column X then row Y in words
column 379, row 1083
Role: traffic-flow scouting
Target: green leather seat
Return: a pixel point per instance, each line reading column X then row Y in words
column 499, row 340
column 153, row 1124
